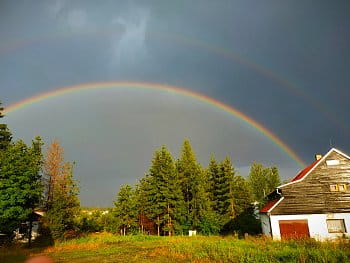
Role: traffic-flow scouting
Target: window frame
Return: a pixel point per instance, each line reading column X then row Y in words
column 336, row 188
column 339, row 220
column 344, row 187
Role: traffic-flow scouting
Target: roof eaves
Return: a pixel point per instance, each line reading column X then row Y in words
column 277, row 203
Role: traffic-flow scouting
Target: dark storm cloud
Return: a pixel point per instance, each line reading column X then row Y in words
column 288, row 67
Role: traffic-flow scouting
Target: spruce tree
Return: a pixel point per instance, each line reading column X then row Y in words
column 212, row 177
column 194, row 188
column 164, row 196
column 125, row 209
column 5, row 134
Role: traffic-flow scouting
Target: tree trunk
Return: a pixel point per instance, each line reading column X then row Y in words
column 30, row 231
column 158, row 227
column 169, row 221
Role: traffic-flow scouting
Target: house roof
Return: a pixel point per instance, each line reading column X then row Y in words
column 283, row 189
column 300, row 176
column 269, row 205
column 305, row 171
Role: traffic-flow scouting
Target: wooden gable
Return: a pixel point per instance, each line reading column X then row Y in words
column 324, row 189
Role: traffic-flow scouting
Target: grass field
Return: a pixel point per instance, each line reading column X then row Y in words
column 109, row 248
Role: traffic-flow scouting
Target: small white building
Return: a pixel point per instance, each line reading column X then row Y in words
column 315, row 203
column 22, row 233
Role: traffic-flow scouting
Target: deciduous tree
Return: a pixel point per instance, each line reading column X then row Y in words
column 20, row 184
column 62, row 193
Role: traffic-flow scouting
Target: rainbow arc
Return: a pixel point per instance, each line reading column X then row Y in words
column 161, row 88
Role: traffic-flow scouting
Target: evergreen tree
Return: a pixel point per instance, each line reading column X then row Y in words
column 212, row 177
column 20, row 184
column 194, row 188
column 125, row 209
column 224, row 195
column 63, row 204
column 164, row 196
column 5, row 134
column 141, row 203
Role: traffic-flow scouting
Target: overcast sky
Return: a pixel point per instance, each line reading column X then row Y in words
column 283, row 63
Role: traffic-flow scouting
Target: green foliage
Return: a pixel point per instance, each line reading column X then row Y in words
column 245, row 222
column 125, row 209
column 89, row 222
column 176, row 197
column 5, row 134
column 20, row 183
column 263, row 181
column 161, row 193
column 195, row 189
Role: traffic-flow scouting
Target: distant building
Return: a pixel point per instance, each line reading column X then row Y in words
column 21, row 233
column 316, row 203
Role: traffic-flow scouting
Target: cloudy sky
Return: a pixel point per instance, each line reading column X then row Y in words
column 283, row 63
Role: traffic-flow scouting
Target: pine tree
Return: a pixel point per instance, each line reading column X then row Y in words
column 5, row 134
column 125, row 209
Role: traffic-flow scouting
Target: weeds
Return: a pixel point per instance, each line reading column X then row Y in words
column 105, row 247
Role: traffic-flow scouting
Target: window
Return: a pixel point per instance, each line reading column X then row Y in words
column 333, row 187
column 332, row 162
column 337, row 187
column 336, row 226
column 342, row 187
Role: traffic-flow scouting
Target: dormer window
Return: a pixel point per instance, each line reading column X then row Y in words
column 333, row 187
column 342, row 187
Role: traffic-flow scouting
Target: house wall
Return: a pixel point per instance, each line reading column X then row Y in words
column 265, row 224
column 316, row 222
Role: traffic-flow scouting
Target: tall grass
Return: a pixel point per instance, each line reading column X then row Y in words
column 105, row 247
column 264, row 250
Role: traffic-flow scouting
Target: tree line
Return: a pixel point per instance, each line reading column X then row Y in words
column 176, row 196
column 30, row 181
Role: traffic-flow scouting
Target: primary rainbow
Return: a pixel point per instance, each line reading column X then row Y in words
column 163, row 88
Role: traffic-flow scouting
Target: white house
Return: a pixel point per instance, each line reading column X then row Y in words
column 315, row 203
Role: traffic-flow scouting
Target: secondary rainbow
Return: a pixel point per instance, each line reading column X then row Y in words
column 163, row 88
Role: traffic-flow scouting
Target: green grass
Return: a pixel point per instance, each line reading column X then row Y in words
column 109, row 248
